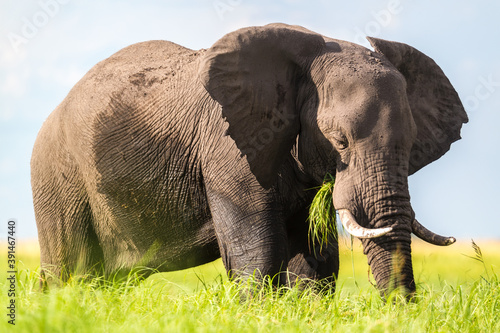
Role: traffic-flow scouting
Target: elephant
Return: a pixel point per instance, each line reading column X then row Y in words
column 168, row 158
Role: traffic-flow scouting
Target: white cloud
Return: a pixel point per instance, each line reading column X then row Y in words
column 15, row 83
column 8, row 166
column 469, row 65
column 9, row 58
column 63, row 76
column 6, row 114
column 5, row 193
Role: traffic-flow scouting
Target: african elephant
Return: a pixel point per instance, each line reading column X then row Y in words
column 168, row 158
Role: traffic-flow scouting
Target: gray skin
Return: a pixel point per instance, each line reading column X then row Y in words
column 169, row 158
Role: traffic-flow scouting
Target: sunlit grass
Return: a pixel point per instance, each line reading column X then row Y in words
column 322, row 218
column 455, row 293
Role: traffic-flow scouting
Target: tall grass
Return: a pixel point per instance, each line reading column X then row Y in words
column 203, row 300
column 322, row 216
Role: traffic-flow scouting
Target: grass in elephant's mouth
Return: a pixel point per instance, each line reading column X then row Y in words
column 322, row 216
column 455, row 294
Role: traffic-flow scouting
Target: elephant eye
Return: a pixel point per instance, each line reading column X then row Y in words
column 343, row 144
column 340, row 141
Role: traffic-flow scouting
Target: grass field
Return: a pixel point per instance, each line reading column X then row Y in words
column 456, row 293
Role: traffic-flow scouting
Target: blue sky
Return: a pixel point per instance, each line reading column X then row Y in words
column 46, row 46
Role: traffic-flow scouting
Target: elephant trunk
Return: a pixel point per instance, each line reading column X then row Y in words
column 390, row 261
column 380, row 199
column 388, row 252
column 389, row 256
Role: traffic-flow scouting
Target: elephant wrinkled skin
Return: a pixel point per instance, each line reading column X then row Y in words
column 168, row 158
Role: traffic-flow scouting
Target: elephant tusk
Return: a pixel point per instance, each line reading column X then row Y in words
column 352, row 227
column 423, row 233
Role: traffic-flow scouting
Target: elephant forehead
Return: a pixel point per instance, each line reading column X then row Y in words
column 363, row 100
column 354, row 73
column 355, row 89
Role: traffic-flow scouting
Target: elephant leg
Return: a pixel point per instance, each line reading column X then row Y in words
column 307, row 263
column 251, row 239
column 322, row 266
column 68, row 242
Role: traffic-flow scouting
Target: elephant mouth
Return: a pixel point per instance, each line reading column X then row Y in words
column 390, row 257
column 355, row 229
column 391, row 265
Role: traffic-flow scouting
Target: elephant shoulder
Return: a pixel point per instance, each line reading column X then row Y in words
column 132, row 74
column 135, row 63
column 118, row 87
column 151, row 51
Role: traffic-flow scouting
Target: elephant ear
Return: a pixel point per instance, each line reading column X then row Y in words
column 254, row 73
column 435, row 105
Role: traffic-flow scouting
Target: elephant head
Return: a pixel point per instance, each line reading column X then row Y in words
column 371, row 118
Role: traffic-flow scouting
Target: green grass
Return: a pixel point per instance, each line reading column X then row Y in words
column 456, row 293
column 322, row 218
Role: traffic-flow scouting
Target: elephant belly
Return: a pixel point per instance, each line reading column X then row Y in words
column 152, row 198
column 157, row 220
